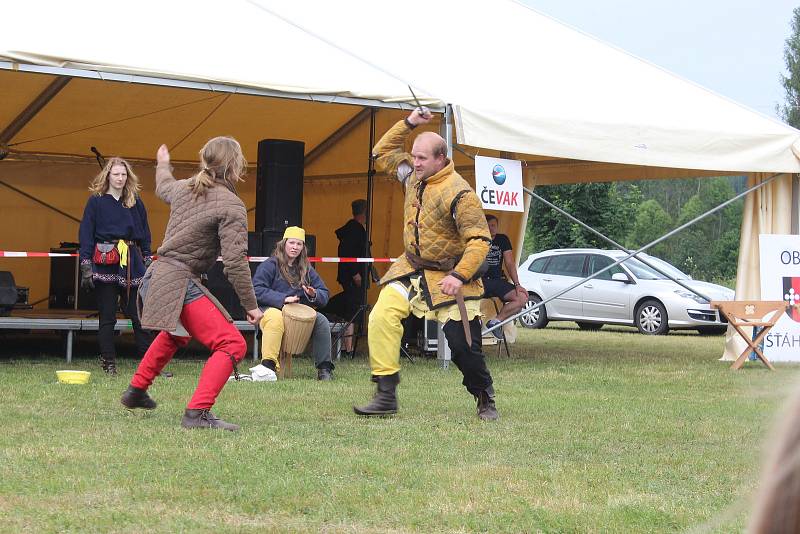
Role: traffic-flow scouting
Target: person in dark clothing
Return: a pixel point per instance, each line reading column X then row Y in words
column 351, row 276
column 114, row 253
column 495, row 283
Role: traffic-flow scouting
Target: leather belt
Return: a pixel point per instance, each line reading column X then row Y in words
column 447, row 265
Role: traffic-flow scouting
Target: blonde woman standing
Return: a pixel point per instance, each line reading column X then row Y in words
column 114, row 253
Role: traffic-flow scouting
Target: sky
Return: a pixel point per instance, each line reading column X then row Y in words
column 733, row 47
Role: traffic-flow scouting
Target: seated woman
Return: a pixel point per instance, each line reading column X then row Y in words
column 286, row 277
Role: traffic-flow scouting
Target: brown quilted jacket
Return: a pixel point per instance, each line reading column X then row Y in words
column 198, row 231
column 443, row 221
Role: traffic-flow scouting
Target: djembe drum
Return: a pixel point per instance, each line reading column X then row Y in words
column 298, row 325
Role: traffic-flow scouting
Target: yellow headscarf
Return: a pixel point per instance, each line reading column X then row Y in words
column 295, row 232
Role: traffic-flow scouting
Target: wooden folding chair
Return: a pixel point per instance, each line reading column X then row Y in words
column 755, row 313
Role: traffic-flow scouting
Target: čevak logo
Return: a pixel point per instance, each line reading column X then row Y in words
column 499, row 174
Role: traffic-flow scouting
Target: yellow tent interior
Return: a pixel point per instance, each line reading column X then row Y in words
column 50, row 122
column 50, row 162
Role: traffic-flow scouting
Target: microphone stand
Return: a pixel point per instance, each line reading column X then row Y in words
column 99, row 157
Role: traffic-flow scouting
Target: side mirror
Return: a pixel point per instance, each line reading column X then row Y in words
column 621, row 277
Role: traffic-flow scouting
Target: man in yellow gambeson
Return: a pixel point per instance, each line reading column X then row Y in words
column 446, row 239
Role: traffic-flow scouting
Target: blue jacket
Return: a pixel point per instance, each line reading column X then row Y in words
column 105, row 219
column 272, row 289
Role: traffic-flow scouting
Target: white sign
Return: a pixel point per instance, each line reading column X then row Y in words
column 780, row 280
column 498, row 183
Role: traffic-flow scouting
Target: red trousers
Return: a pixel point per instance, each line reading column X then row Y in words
column 205, row 323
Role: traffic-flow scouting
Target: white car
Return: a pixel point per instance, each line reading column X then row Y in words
column 630, row 294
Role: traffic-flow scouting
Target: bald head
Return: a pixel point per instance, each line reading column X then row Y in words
column 429, row 153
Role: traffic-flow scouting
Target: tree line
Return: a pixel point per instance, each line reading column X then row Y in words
column 638, row 212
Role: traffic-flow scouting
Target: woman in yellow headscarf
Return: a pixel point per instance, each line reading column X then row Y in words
column 287, row 277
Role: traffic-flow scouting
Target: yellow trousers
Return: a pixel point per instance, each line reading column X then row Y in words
column 385, row 329
column 271, row 335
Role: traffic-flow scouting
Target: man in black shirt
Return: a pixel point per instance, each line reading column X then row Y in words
column 514, row 296
column 352, row 244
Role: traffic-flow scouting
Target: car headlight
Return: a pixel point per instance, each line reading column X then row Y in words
column 689, row 295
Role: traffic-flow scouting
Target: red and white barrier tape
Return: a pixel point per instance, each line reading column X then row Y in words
column 256, row 259
column 13, row 254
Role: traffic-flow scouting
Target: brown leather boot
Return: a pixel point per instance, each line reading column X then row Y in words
column 385, row 400
column 203, row 418
column 137, row 398
column 487, row 411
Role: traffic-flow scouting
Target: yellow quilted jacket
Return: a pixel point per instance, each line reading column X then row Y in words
column 443, row 220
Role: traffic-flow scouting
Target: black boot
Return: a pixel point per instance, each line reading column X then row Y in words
column 385, row 400
column 487, row 411
column 137, row 398
column 324, row 372
column 109, row 364
column 205, row 419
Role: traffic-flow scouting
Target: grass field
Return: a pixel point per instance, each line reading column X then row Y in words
column 604, row 431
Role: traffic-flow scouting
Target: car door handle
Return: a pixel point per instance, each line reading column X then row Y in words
column 547, row 279
column 588, row 286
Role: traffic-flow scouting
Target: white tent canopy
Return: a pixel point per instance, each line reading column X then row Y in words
column 518, row 80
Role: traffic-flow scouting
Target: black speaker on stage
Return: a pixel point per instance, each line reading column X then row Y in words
column 8, row 292
column 64, row 279
column 279, row 184
column 223, row 290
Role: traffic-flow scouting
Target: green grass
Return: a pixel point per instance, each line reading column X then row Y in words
column 604, row 431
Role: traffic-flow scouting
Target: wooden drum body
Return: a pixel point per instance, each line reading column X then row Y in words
column 298, row 325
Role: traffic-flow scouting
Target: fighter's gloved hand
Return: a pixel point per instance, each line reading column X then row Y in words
column 87, row 282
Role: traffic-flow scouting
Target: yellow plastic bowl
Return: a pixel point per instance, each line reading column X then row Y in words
column 73, row 377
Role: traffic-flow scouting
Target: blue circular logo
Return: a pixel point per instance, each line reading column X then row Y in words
column 499, row 175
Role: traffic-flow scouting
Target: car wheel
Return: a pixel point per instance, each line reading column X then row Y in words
column 538, row 317
column 590, row 326
column 651, row 318
column 712, row 330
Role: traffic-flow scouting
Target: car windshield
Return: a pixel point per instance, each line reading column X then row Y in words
column 644, row 272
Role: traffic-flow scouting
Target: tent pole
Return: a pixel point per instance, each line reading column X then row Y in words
column 370, row 190
column 796, row 204
column 446, row 130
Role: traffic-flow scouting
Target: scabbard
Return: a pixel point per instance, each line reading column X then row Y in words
column 462, row 310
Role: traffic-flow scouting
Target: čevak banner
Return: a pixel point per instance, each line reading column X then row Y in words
column 498, row 183
column 780, row 280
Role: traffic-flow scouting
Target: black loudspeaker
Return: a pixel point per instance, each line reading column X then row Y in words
column 259, row 244
column 63, row 281
column 279, row 184
column 8, row 292
column 223, row 290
